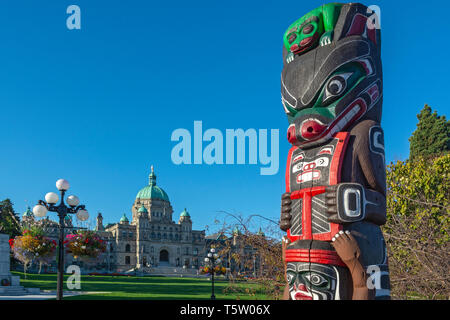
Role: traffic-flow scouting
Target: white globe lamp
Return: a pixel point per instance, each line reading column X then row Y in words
column 51, row 198
column 62, row 185
column 73, row 201
column 82, row 215
column 39, row 211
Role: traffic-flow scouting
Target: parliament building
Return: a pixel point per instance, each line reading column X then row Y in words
column 150, row 243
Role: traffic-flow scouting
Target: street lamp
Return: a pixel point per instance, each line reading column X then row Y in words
column 41, row 209
column 213, row 260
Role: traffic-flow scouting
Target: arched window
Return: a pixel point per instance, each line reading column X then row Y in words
column 127, row 248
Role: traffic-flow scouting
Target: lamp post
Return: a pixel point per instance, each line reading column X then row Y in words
column 41, row 209
column 213, row 260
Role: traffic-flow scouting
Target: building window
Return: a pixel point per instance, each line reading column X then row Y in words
column 127, row 248
column 127, row 260
column 195, row 251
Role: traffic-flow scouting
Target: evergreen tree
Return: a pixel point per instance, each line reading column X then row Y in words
column 432, row 136
column 9, row 222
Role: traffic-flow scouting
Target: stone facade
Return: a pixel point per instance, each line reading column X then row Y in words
column 152, row 239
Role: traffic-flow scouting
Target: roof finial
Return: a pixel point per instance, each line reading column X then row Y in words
column 152, row 177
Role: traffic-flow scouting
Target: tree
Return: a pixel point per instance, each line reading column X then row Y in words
column 417, row 231
column 256, row 257
column 432, row 136
column 9, row 222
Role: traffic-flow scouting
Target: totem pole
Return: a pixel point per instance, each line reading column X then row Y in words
column 334, row 205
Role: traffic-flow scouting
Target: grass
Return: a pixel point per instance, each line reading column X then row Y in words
column 141, row 288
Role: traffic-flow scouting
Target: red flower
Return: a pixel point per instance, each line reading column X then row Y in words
column 11, row 243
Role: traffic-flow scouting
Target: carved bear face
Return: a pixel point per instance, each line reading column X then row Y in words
column 327, row 88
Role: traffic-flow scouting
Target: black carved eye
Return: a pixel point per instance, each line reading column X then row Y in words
column 336, row 86
column 292, row 37
column 317, row 280
column 308, row 29
column 291, row 276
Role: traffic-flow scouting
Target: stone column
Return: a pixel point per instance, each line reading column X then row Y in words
column 5, row 261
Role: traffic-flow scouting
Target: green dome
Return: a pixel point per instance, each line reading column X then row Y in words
column 142, row 209
column 28, row 213
column 124, row 218
column 152, row 191
column 185, row 213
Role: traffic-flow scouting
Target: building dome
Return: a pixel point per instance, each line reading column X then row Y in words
column 124, row 218
column 142, row 209
column 185, row 213
column 28, row 213
column 152, row 191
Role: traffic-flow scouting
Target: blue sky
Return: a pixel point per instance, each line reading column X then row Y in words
column 97, row 106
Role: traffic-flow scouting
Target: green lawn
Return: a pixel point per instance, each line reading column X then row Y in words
column 135, row 288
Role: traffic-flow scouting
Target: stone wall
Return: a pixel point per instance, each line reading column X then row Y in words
column 4, row 256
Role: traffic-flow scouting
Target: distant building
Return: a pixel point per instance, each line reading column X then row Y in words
column 249, row 262
column 152, row 239
column 151, row 242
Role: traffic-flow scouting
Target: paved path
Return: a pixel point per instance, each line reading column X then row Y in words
column 45, row 295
